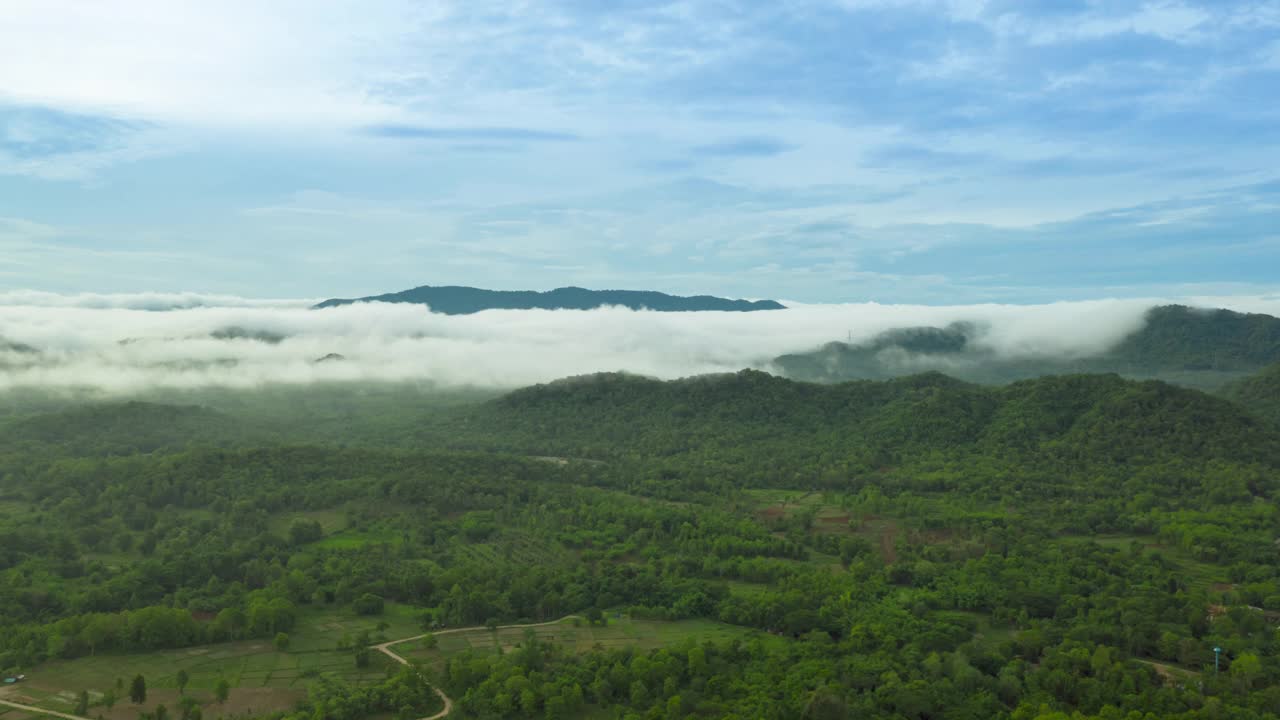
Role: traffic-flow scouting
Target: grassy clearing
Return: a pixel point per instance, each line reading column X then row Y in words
column 582, row 637
column 321, row 628
column 512, row 545
column 830, row 517
column 14, row 508
column 787, row 499
column 747, row 589
column 985, row 632
column 1173, row 674
column 263, row 679
column 331, row 521
column 1196, row 573
column 349, row 538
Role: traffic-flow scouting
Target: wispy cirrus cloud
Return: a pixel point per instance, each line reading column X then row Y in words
column 744, row 147
column 493, row 134
column 30, row 133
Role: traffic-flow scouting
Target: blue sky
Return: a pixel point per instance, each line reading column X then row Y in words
column 924, row 151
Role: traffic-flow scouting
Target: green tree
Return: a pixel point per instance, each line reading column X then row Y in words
column 1245, row 670
column 528, row 701
column 368, row 604
column 82, row 703
column 182, row 679
column 675, row 709
column 305, row 531
column 639, row 694
column 556, row 708
column 138, row 690
column 222, row 690
column 282, row 641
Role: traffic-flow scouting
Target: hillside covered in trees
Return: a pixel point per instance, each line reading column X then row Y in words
column 1259, row 393
column 1189, row 346
column 923, row 547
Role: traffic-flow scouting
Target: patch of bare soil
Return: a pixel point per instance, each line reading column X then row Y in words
column 888, row 544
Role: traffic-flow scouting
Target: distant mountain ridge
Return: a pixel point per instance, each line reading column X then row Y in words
column 459, row 300
column 1185, row 345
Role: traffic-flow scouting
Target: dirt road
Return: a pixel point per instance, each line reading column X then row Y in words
column 385, row 648
column 55, row 713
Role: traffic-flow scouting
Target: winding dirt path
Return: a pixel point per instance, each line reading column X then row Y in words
column 43, row 711
column 385, row 649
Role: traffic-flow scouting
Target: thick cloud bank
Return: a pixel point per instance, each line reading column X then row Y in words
column 135, row 342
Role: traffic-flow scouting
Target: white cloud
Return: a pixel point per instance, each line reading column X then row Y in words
column 153, row 301
column 200, row 63
column 955, row 9
column 118, row 343
column 1173, row 21
column 22, row 230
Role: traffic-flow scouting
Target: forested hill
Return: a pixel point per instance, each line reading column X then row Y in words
column 769, row 429
column 118, row 428
column 1181, row 337
column 1063, row 547
column 455, row 300
column 1260, row 393
column 1180, row 344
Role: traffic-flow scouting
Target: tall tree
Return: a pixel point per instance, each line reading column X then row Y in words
column 138, row 690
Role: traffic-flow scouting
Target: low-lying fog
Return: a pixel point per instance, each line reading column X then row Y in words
column 128, row 343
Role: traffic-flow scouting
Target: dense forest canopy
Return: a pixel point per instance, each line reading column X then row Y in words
column 1259, row 392
column 922, row 547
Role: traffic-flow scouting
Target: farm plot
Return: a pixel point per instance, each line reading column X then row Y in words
column 262, row 679
column 579, row 635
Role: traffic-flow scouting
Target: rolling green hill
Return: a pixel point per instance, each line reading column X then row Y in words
column 1063, row 434
column 1260, row 393
column 922, row 546
column 1179, row 344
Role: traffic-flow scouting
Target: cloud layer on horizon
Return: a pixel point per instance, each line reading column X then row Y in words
column 127, row 344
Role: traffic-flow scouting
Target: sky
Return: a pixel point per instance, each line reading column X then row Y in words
column 926, row 152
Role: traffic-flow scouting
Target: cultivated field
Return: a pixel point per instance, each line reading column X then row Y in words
column 262, row 678
column 579, row 635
